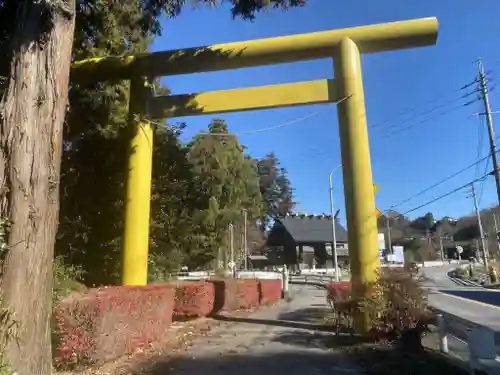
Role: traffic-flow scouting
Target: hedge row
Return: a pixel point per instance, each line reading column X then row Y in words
column 106, row 323
column 339, row 290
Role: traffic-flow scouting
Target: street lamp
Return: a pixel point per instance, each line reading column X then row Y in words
column 334, row 235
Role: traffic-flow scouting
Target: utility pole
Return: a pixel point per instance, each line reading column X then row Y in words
column 481, row 233
column 441, row 247
column 429, row 242
column 334, row 234
column 489, row 122
column 388, row 225
column 245, row 247
column 231, row 246
column 241, row 256
column 496, row 233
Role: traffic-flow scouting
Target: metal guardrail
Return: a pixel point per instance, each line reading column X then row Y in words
column 240, row 274
column 202, row 275
column 479, row 279
column 464, row 282
column 318, row 278
column 321, row 279
column 481, row 341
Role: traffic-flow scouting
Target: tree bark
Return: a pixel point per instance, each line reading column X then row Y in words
column 32, row 113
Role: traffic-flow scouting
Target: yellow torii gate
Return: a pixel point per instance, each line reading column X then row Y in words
column 344, row 46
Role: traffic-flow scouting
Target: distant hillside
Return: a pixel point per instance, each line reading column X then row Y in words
column 423, row 234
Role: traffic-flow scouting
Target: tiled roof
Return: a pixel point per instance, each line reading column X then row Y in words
column 312, row 228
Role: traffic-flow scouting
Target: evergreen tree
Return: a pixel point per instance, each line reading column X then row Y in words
column 226, row 182
column 275, row 188
column 36, row 40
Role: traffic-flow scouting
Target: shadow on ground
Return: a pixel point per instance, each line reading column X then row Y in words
column 306, row 328
column 313, row 318
column 248, row 364
column 366, row 359
column 312, row 315
column 384, row 359
column 276, row 323
column 317, row 339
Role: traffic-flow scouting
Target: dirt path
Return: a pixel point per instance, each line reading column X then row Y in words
column 277, row 340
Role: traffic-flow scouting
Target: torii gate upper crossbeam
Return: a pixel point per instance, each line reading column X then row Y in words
column 300, row 47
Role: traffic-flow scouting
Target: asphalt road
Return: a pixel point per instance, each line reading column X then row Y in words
column 437, row 279
column 490, row 297
column 462, row 307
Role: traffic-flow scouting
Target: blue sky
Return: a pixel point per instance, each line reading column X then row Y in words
column 403, row 163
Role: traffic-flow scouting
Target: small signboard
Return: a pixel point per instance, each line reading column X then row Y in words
column 399, row 256
column 381, row 241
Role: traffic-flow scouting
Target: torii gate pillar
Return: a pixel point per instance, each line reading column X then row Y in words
column 356, row 165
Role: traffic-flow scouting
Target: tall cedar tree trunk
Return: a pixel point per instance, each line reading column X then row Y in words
column 32, row 114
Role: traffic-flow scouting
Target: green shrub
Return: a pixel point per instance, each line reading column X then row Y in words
column 66, row 280
column 462, row 273
column 394, row 305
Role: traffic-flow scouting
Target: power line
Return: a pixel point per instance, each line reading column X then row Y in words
column 489, row 122
column 439, row 182
column 444, row 195
column 434, row 100
column 313, row 114
column 340, row 101
column 318, row 156
column 230, row 134
column 491, row 70
column 299, row 119
column 325, row 155
column 435, row 108
column 434, row 117
column 261, row 130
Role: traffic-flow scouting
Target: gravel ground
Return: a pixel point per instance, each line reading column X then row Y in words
column 279, row 340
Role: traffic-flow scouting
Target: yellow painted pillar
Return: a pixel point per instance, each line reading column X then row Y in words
column 357, row 172
column 137, row 204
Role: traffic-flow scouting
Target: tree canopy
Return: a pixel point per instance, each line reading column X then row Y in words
column 38, row 40
column 275, row 189
column 186, row 226
column 426, row 234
